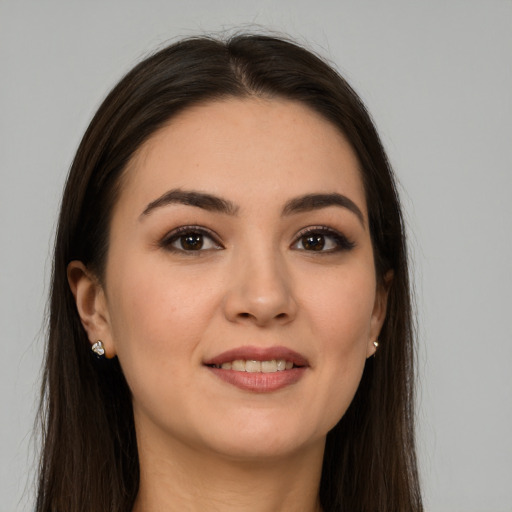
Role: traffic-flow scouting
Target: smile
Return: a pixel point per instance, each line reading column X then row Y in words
column 252, row 366
column 258, row 369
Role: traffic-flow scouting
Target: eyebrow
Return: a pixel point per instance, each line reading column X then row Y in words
column 209, row 202
column 312, row 202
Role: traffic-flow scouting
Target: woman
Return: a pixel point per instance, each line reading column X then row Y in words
column 230, row 319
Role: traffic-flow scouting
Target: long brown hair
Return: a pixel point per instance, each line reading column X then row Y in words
column 89, row 458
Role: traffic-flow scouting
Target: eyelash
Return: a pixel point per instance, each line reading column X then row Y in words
column 181, row 232
column 341, row 242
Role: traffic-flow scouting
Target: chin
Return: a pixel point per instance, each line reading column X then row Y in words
column 262, row 449
column 264, row 440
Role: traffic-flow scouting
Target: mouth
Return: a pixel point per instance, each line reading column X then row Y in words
column 254, row 366
column 259, row 369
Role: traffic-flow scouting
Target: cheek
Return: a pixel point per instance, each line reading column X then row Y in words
column 156, row 316
column 341, row 320
column 151, row 299
column 157, row 321
column 342, row 307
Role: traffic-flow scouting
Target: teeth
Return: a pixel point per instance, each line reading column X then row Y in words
column 238, row 365
column 269, row 366
column 281, row 365
column 252, row 366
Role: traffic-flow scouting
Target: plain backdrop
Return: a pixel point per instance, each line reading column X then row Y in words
column 437, row 78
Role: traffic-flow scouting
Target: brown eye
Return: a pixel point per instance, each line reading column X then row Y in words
column 191, row 242
column 314, row 242
column 188, row 239
column 322, row 240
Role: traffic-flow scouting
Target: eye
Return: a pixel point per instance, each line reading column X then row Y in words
column 322, row 239
column 190, row 239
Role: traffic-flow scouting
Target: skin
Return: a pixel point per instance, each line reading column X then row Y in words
column 205, row 444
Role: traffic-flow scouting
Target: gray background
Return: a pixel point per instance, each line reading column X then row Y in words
column 437, row 77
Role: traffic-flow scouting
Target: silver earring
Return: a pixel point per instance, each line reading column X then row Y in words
column 375, row 344
column 98, row 348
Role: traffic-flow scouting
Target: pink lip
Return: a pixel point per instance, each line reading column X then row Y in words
column 259, row 382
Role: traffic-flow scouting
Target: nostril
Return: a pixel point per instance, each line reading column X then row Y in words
column 280, row 316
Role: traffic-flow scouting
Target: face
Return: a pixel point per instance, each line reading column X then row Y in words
column 240, row 292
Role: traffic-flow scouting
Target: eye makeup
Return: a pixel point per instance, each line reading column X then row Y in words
column 316, row 239
column 190, row 239
column 322, row 239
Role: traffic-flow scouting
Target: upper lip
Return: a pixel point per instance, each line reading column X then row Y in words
column 252, row 353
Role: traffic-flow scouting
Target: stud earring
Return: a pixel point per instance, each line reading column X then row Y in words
column 375, row 344
column 98, row 348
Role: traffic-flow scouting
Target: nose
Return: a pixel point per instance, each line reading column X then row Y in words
column 260, row 291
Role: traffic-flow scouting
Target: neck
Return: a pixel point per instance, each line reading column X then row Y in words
column 176, row 477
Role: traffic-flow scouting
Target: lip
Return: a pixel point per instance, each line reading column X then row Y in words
column 259, row 382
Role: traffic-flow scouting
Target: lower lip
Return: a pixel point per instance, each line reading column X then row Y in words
column 260, row 382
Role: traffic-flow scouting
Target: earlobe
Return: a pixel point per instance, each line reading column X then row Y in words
column 372, row 348
column 379, row 313
column 91, row 305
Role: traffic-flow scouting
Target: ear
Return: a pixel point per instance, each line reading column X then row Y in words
column 379, row 312
column 91, row 305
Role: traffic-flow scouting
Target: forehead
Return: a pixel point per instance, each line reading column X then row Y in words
column 246, row 147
